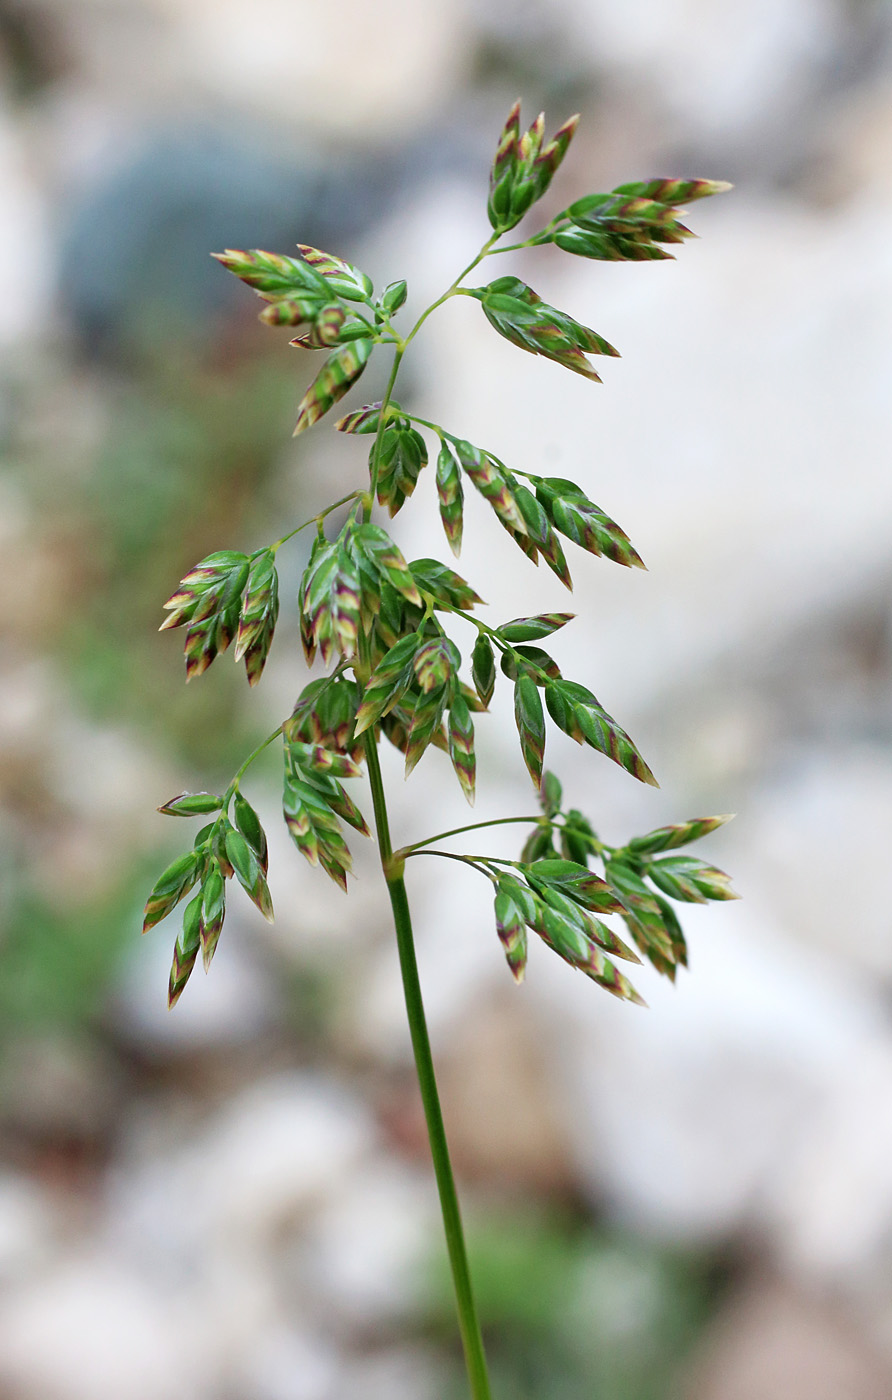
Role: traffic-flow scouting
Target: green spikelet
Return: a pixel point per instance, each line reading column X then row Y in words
column 531, row 629
column 575, row 882
column 339, row 373
column 630, row 223
column 290, row 311
column 343, row 278
column 549, row 158
column 689, row 879
column 170, row 887
column 374, row 545
column 192, row 804
column 272, row 275
column 435, row 663
column 185, row 951
column 427, row 721
column 447, row 588
column 259, row 614
column 313, row 802
column 366, row 419
column 643, row 917
column 576, row 711
column 674, row 930
column 511, row 926
column 208, row 603
column 521, row 316
column 539, row 845
column 665, row 838
column 317, row 585
column 461, row 746
column 493, row 482
column 345, row 603
column 578, row 839
column 539, row 530
column 530, row 661
column 451, row 497
column 403, row 454
column 324, row 714
column 602, row 971
column 249, row 872
column 501, row 175
column 673, row 192
column 483, row 669
column 213, row 912
column 530, row 725
column 551, row 794
column 580, row 520
column 325, row 331
column 523, row 167
column 248, row 823
column 388, row 682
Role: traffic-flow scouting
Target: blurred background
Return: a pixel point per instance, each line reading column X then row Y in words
column 234, row 1202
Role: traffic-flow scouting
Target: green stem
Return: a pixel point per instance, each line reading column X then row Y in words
column 270, row 739
column 313, row 520
column 468, row 1322
column 476, row 862
column 453, row 288
column 460, row 830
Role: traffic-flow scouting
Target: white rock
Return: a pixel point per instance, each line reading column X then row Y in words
column 232, row 1006
column 327, row 81
column 363, row 1252
column 716, row 66
column 686, row 1115
column 28, row 1227
column 91, row 1330
column 828, row 821
column 25, row 251
column 287, row 1364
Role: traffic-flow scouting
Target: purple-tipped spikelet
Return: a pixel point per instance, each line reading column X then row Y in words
column 259, row 613
column 493, row 482
column 402, row 456
column 185, row 951
column 213, row 911
column 665, row 838
column 523, row 167
column 581, row 521
column 521, row 316
column 511, row 924
column 248, row 872
column 451, row 497
column 339, row 373
column 208, row 602
column 483, row 669
column 170, row 887
column 460, row 733
column 530, row 725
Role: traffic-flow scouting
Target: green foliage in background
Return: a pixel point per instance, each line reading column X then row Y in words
column 572, row 1311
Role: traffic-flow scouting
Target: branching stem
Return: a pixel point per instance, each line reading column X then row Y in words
column 270, row 739
column 460, row 830
column 313, row 520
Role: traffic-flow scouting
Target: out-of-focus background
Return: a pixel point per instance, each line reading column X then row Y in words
column 234, row 1202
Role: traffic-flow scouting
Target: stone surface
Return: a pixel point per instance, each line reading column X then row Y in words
column 772, row 1344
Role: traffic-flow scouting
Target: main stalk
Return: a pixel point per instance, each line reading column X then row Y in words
column 468, row 1322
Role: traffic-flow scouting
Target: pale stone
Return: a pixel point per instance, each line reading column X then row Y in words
column 771, row 1343
column 92, row 1330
